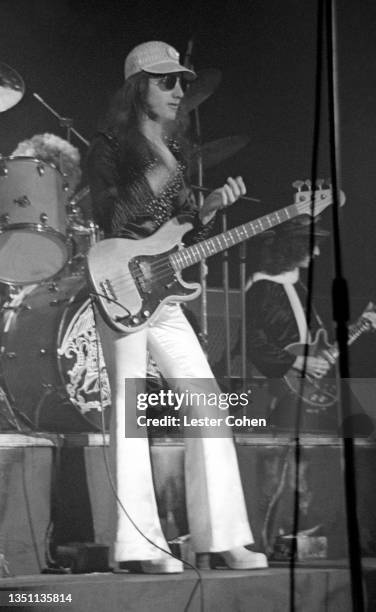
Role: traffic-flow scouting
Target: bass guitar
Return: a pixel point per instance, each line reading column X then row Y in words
column 132, row 279
column 321, row 392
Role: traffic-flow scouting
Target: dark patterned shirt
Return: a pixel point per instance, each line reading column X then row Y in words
column 123, row 201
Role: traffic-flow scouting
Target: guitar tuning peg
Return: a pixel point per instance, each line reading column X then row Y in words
column 308, row 182
column 298, row 185
column 319, row 183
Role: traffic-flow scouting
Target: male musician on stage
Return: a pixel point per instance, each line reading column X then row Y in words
column 137, row 168
column 276, row 317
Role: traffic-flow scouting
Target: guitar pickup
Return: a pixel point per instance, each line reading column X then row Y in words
column 141, row 273
column 108, row 290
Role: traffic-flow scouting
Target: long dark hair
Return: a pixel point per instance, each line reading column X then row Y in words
column 123, row 120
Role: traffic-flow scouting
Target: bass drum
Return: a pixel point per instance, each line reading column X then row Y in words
column 50, row 355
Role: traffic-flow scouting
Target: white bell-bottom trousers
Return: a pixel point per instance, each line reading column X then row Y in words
column 216, row 511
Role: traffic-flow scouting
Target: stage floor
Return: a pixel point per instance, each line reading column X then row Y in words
column 320, row 587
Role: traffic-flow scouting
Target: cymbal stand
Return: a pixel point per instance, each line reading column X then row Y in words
column 203, row 265
column 226, row 289
column 64, row 122
column 243, row 315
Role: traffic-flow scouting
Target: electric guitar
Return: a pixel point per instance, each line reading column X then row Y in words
column 321, row 392
column 132, row 279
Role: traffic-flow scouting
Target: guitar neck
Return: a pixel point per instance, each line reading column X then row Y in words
column 355, row 330
column 184, row 258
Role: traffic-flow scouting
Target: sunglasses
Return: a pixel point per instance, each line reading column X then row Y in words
column 167, row 82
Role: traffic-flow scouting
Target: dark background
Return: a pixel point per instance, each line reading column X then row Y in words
column 71, row 52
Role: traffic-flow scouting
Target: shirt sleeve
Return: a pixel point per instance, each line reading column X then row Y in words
column 115, row 204
column 267, row 325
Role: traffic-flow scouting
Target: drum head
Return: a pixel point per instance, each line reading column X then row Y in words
column 29, row 256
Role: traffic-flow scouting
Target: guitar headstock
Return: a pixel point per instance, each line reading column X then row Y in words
column 369, row 316
column 313, row 201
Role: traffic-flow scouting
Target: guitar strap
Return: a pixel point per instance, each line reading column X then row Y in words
column 288, row 281
column 314, row 311
column 297, row 308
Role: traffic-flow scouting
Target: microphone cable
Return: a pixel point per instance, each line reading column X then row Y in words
column 309, row 299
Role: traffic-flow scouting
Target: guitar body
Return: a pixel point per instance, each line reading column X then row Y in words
column 318, row 393
column 133, row 279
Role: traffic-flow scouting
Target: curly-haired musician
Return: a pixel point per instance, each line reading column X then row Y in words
column 277, row 330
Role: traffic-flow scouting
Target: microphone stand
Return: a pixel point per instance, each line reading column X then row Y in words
column 341, row 316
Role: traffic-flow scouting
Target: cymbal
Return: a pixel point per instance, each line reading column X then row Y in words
column 201, row 88
column 12, row 87
column 216, row 151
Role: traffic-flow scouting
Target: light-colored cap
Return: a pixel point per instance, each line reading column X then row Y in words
column 156, row 57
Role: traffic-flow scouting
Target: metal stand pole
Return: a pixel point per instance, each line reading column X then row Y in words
column 243, row 317
column 203, row 266
column 64, row 121
column 341, row 315
column 226, row 290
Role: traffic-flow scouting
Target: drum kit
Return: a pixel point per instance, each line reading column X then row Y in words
column 53, row 376
column 52, row 372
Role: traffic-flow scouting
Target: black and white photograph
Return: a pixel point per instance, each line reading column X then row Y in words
column 188, row 305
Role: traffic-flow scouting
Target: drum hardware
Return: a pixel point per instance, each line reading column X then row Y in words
column 22, row 201
column 65, row 122
column 58, row 302
column 3, row 168
column 79, row 196
column 40, row 169
column 17, row 308
column 81, row 233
